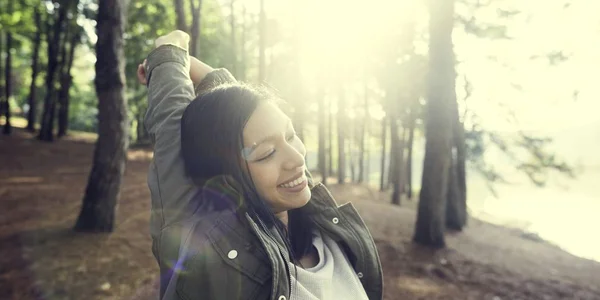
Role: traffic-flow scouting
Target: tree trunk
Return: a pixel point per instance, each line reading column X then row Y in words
column 53, row 37
column 102, row 191
column 262, row 67
column 8, row 78
column 180, row 15
column 430, row 224
column 409, row 159
column 195, row 28
column 62, row 79
column 330, row 139
column 362, row 138
column 143, row 138
column 242, row 52
column 32, row 113
column 461, row 156
column 393, row 151
column 341, row 137
column 367, row 178
column 456, row 213
column 453, row 210
column 398, row 154
column 234, row 65
column 322, row 163
column 2, row 94
column 351, row 147
column 65, row 86
column 383, row 152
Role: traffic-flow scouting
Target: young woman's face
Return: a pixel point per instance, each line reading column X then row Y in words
column 275, row 157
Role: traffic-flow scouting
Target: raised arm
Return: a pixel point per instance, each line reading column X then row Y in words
column 173, row 79
column 170, row 90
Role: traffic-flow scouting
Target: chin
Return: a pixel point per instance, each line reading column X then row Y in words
column 297, row 201
column 306, row 195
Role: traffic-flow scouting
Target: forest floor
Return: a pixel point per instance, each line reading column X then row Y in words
column 41, row 187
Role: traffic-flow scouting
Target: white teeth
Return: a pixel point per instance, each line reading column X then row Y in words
column 293, row 183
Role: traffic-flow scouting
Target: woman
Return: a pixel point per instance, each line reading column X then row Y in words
column 236, row 214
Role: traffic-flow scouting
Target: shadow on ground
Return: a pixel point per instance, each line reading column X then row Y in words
column 41, row 187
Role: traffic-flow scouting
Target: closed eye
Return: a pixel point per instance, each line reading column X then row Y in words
column 289, row 138
column 267, row 156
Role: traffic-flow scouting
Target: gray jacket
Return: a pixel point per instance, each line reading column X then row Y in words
column 208, row 254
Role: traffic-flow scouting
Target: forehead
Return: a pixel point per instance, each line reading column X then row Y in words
column 265, row 121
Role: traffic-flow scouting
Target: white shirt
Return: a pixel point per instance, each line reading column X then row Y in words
column 332, row 278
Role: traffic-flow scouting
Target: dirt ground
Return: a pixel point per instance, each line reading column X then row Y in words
column 41, row 187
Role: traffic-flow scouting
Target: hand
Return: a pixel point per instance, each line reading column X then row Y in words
column 141, row 73
column 176, row 37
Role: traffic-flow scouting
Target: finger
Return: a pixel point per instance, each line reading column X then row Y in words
column 141, row 74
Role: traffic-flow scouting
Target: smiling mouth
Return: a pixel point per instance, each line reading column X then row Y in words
column 296, row 182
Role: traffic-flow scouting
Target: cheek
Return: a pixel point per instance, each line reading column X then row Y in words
column 265, row 177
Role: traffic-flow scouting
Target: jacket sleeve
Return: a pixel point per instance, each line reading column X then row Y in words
column 170, row 90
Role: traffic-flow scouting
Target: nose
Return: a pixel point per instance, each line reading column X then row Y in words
column 294, row 157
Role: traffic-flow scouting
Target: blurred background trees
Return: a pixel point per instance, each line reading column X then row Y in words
column 382, row 94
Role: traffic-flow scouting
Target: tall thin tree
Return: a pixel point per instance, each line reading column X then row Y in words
column 32, row 100
column 409, row 157
column 195, row 27
column 53, row 33
column 456, row 208
column 8, row 70
column 180, row 21
column 362, row 134
column 262, row 42
column 341, row 133
column 430, row 224
column 322, row 163
column 383, row 152
column 102, row 191
column 65, row 84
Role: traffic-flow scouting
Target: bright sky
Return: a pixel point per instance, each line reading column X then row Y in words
column 545, row 102
column 541, row 95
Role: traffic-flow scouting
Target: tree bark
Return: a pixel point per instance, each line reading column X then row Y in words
column 102, row 191
column 456, row 208
column 7, row 130
column 383, row 152
column 195, row 28
column 393, row 151
column 341, row 137
column 411, row 136
column 453, row 210
column 330, row 139
column 32, row 101
column 180, row 15
column 2, row 82
column 363, row 132
column 53, row 36
column 430, row 224
column 351, row 147
column 398, row 155
column 65, row 86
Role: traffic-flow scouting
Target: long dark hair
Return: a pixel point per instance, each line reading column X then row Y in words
column 211, row 142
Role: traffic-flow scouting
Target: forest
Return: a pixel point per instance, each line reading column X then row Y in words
column 464, row 132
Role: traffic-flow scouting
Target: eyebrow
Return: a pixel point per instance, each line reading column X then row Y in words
column 251, row 148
